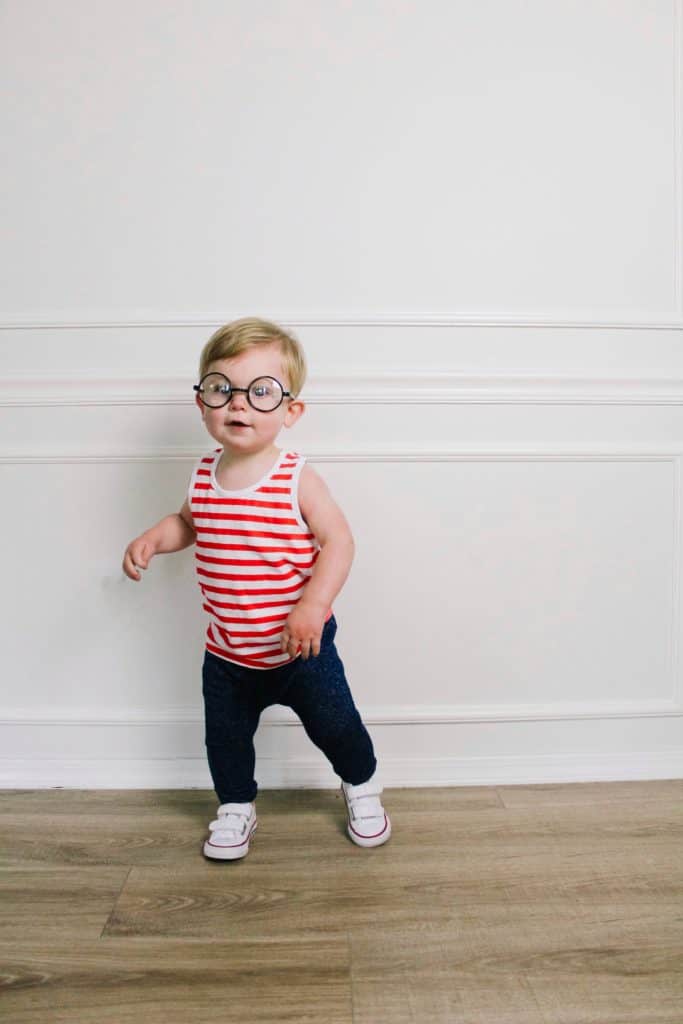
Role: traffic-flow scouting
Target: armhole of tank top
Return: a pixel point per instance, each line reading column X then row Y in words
column 193, row 476
column 296, row 473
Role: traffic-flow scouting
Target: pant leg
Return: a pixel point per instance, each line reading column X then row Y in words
column 231, row 715
column 319, row 694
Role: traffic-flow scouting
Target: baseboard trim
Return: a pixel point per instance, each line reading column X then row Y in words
column 274, row 773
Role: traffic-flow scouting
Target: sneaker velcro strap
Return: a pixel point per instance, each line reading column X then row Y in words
column 232, row 818
column 370, row 788
column 229, row 826
column 243, row 809
column 366, row 807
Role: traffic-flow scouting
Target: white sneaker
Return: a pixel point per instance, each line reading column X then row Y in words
column 368, row 825
column 231, row 832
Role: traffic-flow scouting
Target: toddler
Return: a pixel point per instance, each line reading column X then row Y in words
column 272, row 551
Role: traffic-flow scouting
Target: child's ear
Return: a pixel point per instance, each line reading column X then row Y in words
column 295, row 411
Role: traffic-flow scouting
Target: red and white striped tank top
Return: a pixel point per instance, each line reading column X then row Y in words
column 254, row 555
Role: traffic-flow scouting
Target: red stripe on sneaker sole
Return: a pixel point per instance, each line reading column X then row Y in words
column 362, row 835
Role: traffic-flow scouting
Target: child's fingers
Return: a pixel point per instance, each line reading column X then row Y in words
column 132, row 563
column 289, row 643
column 141, row 556
column 130, row 568
column 311, row 647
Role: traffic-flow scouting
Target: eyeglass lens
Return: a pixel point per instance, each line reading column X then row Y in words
column 265, row 393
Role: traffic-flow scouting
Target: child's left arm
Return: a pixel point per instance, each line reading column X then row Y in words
column 327, row 522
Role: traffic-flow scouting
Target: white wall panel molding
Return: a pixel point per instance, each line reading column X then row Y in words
column 303, row 772
column 584, row 320
column 504, row 385
column 30, row 390
column 387, row 715
column 598, row 452
column 415, row 714
column 678, row 152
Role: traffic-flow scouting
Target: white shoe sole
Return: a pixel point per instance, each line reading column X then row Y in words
column 376, row 840
column 216, row 852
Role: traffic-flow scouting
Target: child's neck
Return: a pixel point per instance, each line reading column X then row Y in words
column 237, row 469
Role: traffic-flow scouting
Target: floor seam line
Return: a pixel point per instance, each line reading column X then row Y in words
column 116, row 901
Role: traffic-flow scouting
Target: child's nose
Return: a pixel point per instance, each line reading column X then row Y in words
column 238, row 399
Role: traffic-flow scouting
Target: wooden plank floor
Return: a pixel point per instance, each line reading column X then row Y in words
column 557, row 904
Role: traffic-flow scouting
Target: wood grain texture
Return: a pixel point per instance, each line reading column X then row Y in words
column 143, row 981
column 529, row 905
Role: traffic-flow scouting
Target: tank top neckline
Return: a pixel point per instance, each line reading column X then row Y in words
column 243, row 490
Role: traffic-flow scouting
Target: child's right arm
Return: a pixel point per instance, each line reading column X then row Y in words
column 173, row 533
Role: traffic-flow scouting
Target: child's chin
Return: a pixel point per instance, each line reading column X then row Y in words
column 235, row 433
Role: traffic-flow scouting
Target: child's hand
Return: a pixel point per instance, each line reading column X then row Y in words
column 303, row 629
column 138, row 554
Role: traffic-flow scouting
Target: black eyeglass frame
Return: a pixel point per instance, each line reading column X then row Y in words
column 232, row 390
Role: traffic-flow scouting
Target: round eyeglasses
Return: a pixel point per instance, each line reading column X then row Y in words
column 264, row 394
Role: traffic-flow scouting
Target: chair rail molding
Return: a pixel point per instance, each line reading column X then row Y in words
column 556, row 319
column 398, row 387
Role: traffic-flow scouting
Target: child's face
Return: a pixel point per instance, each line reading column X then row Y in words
column 261, row 428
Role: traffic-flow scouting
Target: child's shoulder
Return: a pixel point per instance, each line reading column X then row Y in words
column 310, row 482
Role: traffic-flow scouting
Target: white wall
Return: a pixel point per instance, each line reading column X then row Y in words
column 471, row 214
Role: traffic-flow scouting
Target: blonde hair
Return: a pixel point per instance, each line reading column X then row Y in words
column 236, row 337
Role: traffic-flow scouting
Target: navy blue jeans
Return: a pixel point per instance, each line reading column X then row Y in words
column 315, row 689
